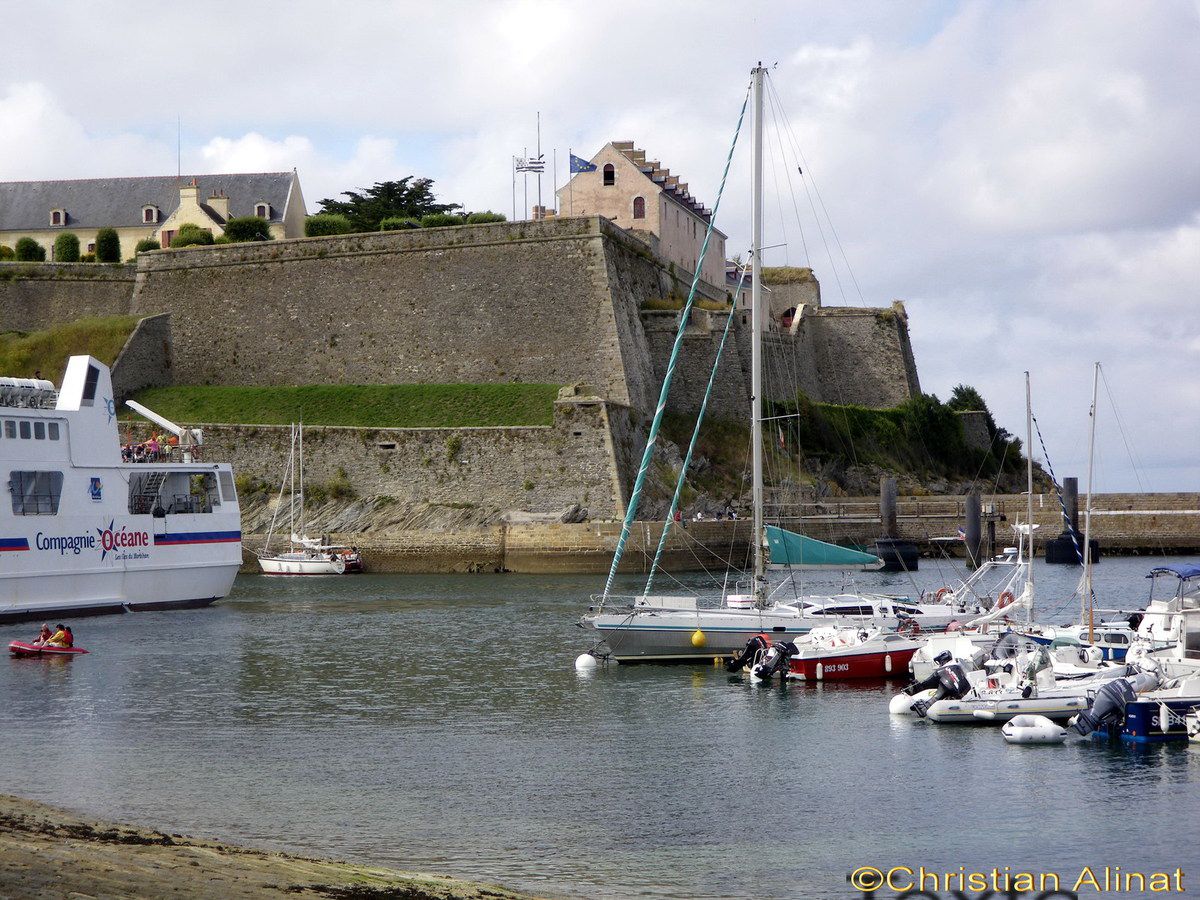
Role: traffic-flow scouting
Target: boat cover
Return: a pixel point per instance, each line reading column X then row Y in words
column 791, row 549
column 1183, row 571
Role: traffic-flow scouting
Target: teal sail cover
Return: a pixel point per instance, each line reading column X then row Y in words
column 791, row 549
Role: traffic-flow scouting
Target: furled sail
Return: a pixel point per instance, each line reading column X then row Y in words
column 791, row 549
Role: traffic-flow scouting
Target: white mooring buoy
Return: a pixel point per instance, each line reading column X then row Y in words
column 585, row 662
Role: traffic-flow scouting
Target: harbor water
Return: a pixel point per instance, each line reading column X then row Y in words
column 436, row 723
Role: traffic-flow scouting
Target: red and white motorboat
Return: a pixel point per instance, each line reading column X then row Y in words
column 836, row 654
column 23, row 649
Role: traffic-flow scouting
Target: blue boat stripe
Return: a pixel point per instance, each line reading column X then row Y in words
column 14, row 544
column 197, row 537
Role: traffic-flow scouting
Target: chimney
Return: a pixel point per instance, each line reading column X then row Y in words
column 189, row 193
column 220, row 204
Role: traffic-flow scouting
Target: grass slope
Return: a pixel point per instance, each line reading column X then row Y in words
column 359, row 405
column 23, row 354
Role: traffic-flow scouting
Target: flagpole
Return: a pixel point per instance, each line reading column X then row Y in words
column 570, row 183
column 539, row 153
column 554, row 157
column 514, row 180
column 525, row 176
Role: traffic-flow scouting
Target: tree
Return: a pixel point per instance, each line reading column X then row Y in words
column 410, row 197
column 108, row 246
column 147, row 244
column 190, row 235
column 248, row 228
column 66, row 247
column 323, row 224
column 29, row 250
column 7, row 253
column 481, row 218
column 399, row 223
column 965, row 398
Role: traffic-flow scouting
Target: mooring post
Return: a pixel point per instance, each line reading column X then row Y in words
column 973, row 528
column 887, row 506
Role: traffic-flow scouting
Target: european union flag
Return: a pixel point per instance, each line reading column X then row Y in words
column 581, row 165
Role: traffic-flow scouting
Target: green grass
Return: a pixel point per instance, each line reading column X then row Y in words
column 22, row 354
column 359, row 405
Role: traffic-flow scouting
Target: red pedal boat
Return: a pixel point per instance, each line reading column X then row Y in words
column 23, row 649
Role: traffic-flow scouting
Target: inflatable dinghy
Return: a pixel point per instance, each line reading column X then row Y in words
column 22, row 649
column 1028, row 729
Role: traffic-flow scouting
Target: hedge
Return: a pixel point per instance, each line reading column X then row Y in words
column 399, row 223
column 248, row 228
column 325, row 224
column 29, row 250
column 482, row 218
column 190, row 235
column 438, row 220
column 108, row 246
column 147, row 244
column 66, row 247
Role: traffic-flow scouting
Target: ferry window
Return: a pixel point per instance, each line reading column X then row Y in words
column 52, row 428
column 10, row 428
column 39, row 431
column 89, row 385
column 24, row 431
column 228, row 494
column 35, row 493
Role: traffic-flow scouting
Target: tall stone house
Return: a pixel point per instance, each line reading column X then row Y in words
column 642, row 196
column 147, row 207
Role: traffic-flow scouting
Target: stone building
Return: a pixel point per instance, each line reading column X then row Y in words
column 644, row 198
column 147, row 207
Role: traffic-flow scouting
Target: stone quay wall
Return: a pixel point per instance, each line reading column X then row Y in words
column 35, row 296
column 145, row 360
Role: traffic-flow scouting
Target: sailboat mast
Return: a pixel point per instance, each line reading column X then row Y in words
column 756, row 318
column 1087, row 514
column 1029, row 495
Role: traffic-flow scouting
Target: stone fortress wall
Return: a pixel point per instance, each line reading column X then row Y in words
column 557, row 301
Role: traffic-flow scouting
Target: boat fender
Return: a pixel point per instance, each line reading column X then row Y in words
column 585, row 662
column 887, row 663
column 820, row 671
column 699, row 639
column 1108, row 707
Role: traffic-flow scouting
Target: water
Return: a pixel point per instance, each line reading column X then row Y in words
column 436, row 723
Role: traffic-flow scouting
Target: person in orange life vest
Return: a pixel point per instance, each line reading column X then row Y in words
column 59, row 638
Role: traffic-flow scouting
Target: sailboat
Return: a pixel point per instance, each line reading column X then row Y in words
column 656, row 628
column 305, row 555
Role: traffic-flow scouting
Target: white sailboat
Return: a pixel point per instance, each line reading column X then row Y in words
column 657, row 628
column 305, row 555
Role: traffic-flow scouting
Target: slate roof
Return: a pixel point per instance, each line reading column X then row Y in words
column 118, row 202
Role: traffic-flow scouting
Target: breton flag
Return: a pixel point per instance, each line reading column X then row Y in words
column 578, row 164
column 533, row 164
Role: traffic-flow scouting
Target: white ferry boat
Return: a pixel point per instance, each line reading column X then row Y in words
column 84, row 532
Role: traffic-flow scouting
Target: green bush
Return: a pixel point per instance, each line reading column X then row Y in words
column 325, row 224
column 439, row 220
column 66, row 247
column 29, row 250
column 108, row 246
column 248, row 228
column 399, row 223
column 147, row 244
column 190, row 235
column 7, row 252
column 482, row 218
column 222, row 239
column 87, row 257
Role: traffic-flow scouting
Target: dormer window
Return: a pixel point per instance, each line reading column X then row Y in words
column 150, row 214
column 610, row 174
column 58, row 217
column 262, row 210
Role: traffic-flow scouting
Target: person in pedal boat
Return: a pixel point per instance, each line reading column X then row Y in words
column 44, row 634
column 59, row 638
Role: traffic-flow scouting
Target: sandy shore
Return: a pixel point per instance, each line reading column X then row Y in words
column 47, row 852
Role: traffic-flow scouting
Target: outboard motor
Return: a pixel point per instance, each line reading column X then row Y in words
column 1108, row 707
column 775, row 662
column 743, row 659
column 950, row 680
column 1135, row 620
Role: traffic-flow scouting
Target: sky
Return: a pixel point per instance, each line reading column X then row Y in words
column 1024, row 176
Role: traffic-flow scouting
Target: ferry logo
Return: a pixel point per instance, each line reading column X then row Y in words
column 110, row 407
column 96, row 490
column 119, row 539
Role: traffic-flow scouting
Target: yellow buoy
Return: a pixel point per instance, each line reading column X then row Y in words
column 698, row 638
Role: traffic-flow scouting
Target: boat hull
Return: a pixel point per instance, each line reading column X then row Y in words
column 997, row 712
column 1142, row 723
column 278, row 565
column 23, row 650
column 850, row 664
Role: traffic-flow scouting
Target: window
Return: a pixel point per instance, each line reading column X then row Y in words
column 10, row 428
column 39, row 431
column 263, row 211
column 35, row 493
column 91, row 247
column 56, row 217
column 610, row 174
column 52, row 427
column 228, row 494
column 24, row 431
column 149, row 214
column 89, row 386
column 639, row 207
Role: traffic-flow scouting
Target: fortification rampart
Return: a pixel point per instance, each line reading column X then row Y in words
column 145, row 360
column 34, row 296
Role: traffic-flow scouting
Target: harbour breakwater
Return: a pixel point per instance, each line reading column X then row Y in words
column 1144, row 524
